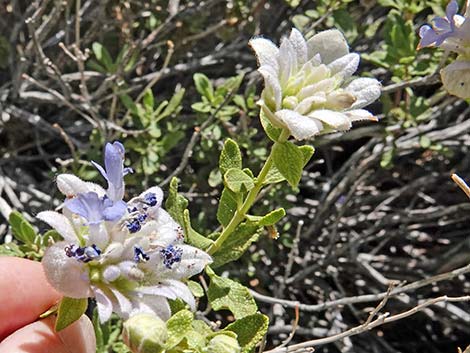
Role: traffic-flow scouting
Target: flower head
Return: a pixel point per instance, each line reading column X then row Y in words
column 308, row 86
column 451, row 32
column 131, row 260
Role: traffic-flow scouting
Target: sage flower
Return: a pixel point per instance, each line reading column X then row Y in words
column 451, row 32
column 309, row 88
column 131, row 262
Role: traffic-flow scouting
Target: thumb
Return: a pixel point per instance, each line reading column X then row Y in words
column 40, row 337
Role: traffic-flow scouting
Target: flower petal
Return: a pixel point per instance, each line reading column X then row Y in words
column 330, row 44
column 337, row 120
column 104, row 305
column 366, row 91
column 272, row 92
column 299, row 44
column 345, row 66
column 70, row 185
column 266, row 52
column 124, row 304
column 65, row 274
column 360, row 114
column 300, row 126
column 154, row 305
column 287, row 61
column 182, row 291
column 60, row 223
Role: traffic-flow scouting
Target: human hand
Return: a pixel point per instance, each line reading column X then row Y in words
column 24, row 295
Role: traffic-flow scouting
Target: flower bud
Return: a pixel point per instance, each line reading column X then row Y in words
column 145, row 333
column 223, row 344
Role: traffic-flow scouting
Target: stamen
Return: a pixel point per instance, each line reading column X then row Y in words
column 171, row 255
column 83, row 254
column 133, row 225
column 140, row 255
column 151, row 199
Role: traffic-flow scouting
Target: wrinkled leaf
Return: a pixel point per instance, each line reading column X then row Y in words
column 226, row 294
column 250, row 330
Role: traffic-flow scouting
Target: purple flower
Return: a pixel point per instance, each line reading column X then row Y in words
column 94, row 208
column 443, row 27
column 114, row 170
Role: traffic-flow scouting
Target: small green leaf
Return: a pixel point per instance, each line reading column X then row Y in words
column 201, row 107
column 289, row 161
column 175, row 203
column 70, row 310
column 230, row 157
column 307, row 153
column 21, row 228
column 250, row 330
column 237, row 180
column 272, row 217
column 425, row 141
column 236, row 245
column 272, row 131
column 227, row 207
column 204, row 86
column 148, row 100
column 195, row 288
column 174, row 104
column 178, row 326
column 226, row 294
column 103, row 56
column 191, row 236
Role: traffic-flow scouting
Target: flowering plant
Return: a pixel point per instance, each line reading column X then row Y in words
column 309, row 88
column 129, row 256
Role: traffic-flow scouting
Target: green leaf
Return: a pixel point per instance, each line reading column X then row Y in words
column 191, row 236
column 178, row 326
column 227, row 206
column 236, row 245
column 148, row 100
column 225, row 294
column 230, row 157
column 21, row 228
column 250, row 330
column 274, row 176
column 272, row 217
column 173, row 105
column 129, row 104
column 70, row 310
column 237, row 180
column 201, row 107
column 307, row 153
column 272, row 131
column 204, row 86
column 195, row 288
column 425, row 141
column 103, row 56
column 289, row 160
column 175, row 203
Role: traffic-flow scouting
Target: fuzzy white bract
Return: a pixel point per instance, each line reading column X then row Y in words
column 130, row 256
column 309, row 88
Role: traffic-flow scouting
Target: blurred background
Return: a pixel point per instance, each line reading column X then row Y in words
column 173, row 79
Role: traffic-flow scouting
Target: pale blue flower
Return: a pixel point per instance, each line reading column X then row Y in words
column 94, row 208
column 114, row 170
column 443, row 27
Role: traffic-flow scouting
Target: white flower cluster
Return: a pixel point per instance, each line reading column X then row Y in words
column 130, row 256
column 309, row 88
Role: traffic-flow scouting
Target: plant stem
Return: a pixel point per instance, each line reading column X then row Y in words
column 240, row 214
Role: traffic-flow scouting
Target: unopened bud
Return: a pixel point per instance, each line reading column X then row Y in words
column 223, row 344
column 145, row 333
